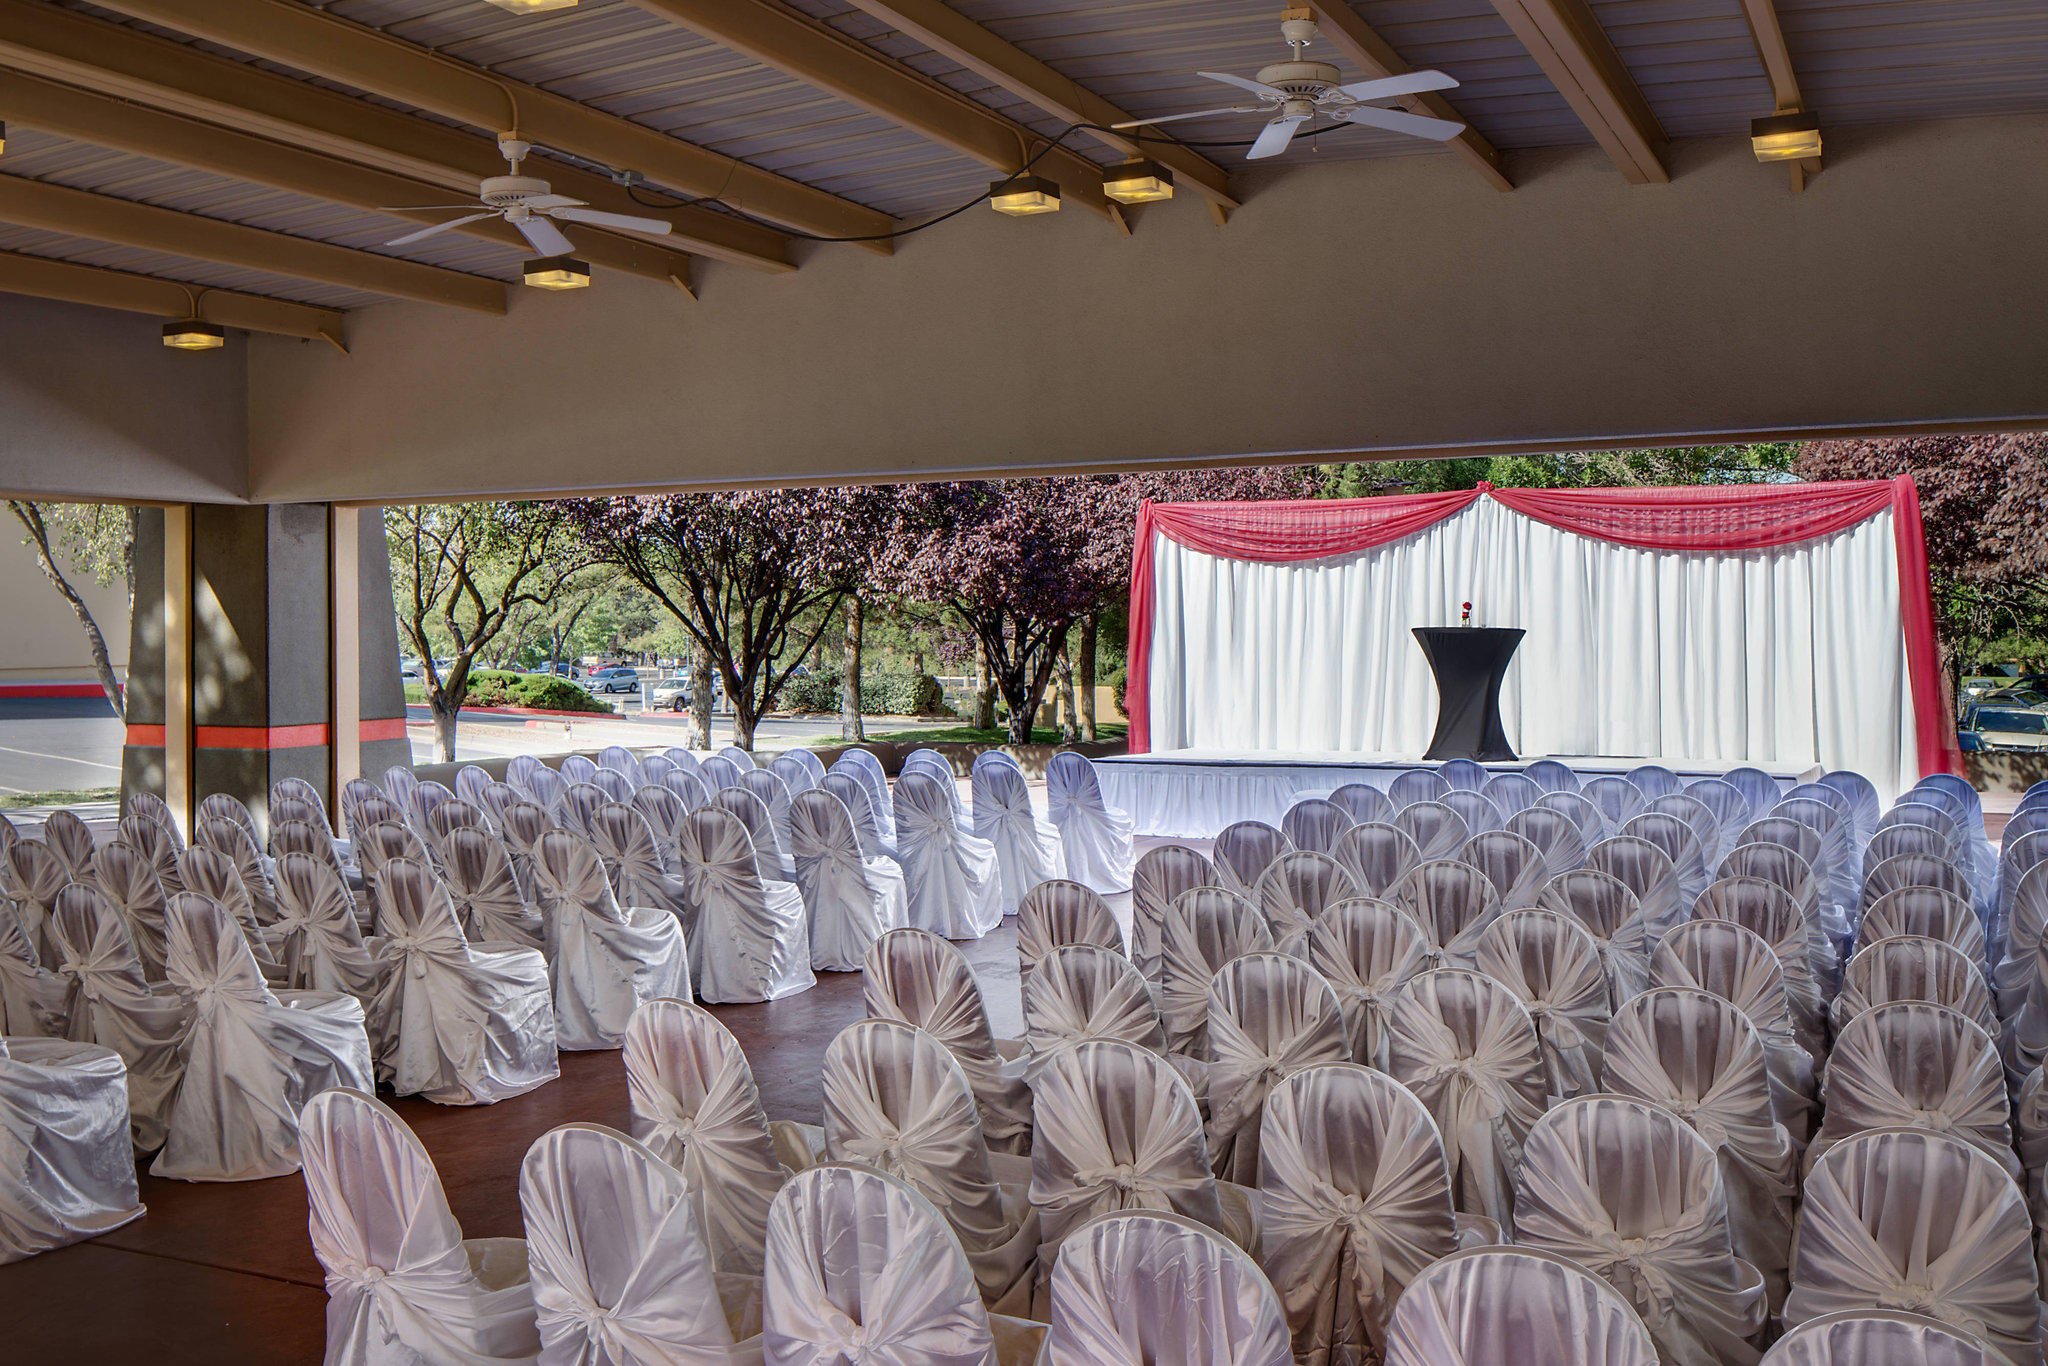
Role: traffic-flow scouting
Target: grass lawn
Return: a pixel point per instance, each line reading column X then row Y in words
column 15, row 800
column 968, row 735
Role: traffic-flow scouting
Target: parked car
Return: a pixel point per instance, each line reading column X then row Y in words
column 561, row 669
column 673, row 693
column 614, row 678
column 409, row 671
column 1995, row 723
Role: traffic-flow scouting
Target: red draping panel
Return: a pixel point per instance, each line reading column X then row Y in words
column 1708, row 517
column 1931, row 725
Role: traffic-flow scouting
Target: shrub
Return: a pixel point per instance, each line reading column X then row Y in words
column 890, row 694
column 544, row 692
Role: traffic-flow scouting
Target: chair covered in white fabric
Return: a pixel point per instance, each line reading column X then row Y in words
column 1295, row 889
column 1759, row 787
column 1930, row 911
column 1723, row 959
column 1453, row 903
column 1477, row 810
column 1912, row 968
column 606, row 960
column 616, row 786
column 1206, row 927
column 1063, row 912
column 719, row 773
column 1363, row 802
column 1921, row 1221
column 30, row 878
column 317, row 938
column 454, row 814
column 471, row 782
column 402, row 1284
column 1438, row 831
column 519, row 771
column 490, row 905
column 852, row 900
column 638, row 868
column 1137, row 1288
column 853, row 794
column 1858, row 1336
column 1787, row 868
column 955, row 886
column 1552, row 775
column 2025, row 1041
column 1463, row 775
column 1356, row 1201
column 774, row 795
column 1027, row 848
column 1916, row 1065
column 1865, row 806
column 1554, row 835
column 458, row 1023
column 1628, row 1190
column 1161, row 875
column 861, row 1268
column 108, row 1002
column 919, row 978
column 1607, row 909
column 1921, row 818
column 1915, row 870
column 578, row 801
column 1647, row 871
column 33, row 998
column 897, row 1101
column 1897, row 840
column 740, row 759
column 1468, row 1050
column 233, row 842
column 2015, row 973
column 130, row 882
column 1618, row 799
column 811, row 762
column 1700, row 819
column 207, row 871
column 1515, row 867
column 398, row 782
column 1805, row 954
column 1695, row 1055
column 866, row 769
column 296, row 829
column 1243, row 851
column 619, row 1269
column 68, row 838
column 1681, row 844
column 1417, row 785
column 249, row 1059
column 695, row 1105
column 2024, row 845
column 1115, row 1127
column 796, row 775
column 425, row 799
column 1553, row 967
column 64, row 1144
column 1834, row 895
column 1581, row 811
column 1269, row 1015
column 1654, row 780
column 1315, row 823
column 1729, row 808
column 1095, row 837
column 1512, row 792
column 1969, row 808
column 1513, row 1306
column 749, row 940
column 1376, row 855
column 1084, row 991
column 1366, row 949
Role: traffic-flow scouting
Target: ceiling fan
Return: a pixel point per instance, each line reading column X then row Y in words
column 1296, row 91
column 527, row 204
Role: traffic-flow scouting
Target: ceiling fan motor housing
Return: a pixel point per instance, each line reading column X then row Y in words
column 1304, row 80
column 509, row 191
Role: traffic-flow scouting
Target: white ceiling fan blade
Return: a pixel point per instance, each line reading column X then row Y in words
column 440, row 227
column 1275, row 136
column 612, row 220
column 1394, row 121
column 425, row 208
column 553, row 201
column 1408, row 83
column 546, row 238
column 1198, row 114
column 1259, row 88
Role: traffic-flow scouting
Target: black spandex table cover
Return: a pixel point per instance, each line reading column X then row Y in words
column 1469, row 662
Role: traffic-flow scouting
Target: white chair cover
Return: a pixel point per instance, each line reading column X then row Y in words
column 1647, row 871
column 719, row 773
column 1825, row 851
column 1464, row 775
column 1315, row 823
column 1512, row 792
column 1804, row 953
column 1555, row 835
column 1452, row 903
column 1515, row 867
column 866, row 769
column 897, row 1101
column 72, row 843
column 1506, row 1306
column 1295, row 889
column 1723, row 959
column 1700, row 819
column 130, row 883
column 740, row 759
column 1468, row 1050
column 919, row 978
column 1921, row 1221
column 1930, row 911
column 1084, row 991
column 1857, row 1336
column 1915, row 1065
column 853, row 794
column 33, row 998
column 795, row 774
column 607, row 960
column 1162, row 874
column 811, row 762
column 250, row 1059
column 1618, row 799
column 774, row 795
column 1606, row 909
column 471, row 782
column 489, row 903
column 1729, row 808
column 1438, row 831
column 1553, row 967
column 1865, row 806
column 64, row 1145
column 402, row 1284
column 749, row 940
column 1580, row 811
column 1552, row 775
column 156, row 843
column 1366, row 949
column 1027, row 848
column 1095, row 838
column 1135, row 1289
column 955, row 887
column 852, row 900
column 620, row 1273
column 2015, row 974
column 1627, row 1190
column 460, row 1023
column 1911, row 968
column 1269, row 1015
column 399, row 781
column 1653, row 780
column 1417, row 785
column 1476, row 810
column 1914, row 870
column 1680, row 845
column 1363, row 802
column 695, row 1105
column 108, row 1003
column 1694, row 1054
column 319, row 942
column 1244, row 851
column 30, row 878
column 1206, row 927
column 1355, row 1201
column 1063, row 912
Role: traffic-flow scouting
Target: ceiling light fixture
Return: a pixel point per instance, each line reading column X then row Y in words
column 557, row 272
column 531, row 6
column 1140, row 180
column 1785, row 137
column 191, row 334
column 3, row 136
column 1023, row 195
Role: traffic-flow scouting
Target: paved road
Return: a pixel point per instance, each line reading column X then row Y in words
column 58, row 744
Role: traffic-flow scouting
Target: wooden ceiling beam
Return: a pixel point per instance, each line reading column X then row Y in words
column 1762, row 16
column 104, row 218
column 320, row 44
column 117, row 59
column 119, row 126
column 1376, row 57
column 1576, row 54
column 952, row 34
column 777, row 35
column 131, row 293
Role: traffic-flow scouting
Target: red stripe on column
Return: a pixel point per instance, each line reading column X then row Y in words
column 259, row 737
column 392, row 728
column 148, row 737
column 51, row 690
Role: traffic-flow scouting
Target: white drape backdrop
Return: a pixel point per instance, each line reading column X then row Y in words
column 1794, row 654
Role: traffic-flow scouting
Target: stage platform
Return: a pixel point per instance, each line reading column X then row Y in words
column 1194, row 793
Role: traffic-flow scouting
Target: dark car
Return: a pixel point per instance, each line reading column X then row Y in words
column 614, row 678
column 1989, row 724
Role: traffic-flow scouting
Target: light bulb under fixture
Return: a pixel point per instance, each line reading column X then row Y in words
column 191, row 334
column 531, row 6
column 1023, row 195
column 1140, row 180
column 557, row 272
column 1785, row 137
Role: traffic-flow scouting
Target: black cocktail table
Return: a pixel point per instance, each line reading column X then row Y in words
column 1469, row 663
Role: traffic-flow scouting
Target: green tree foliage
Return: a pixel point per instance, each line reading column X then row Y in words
column 1581, row 469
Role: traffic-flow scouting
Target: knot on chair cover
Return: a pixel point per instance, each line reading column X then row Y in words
column 1605, row 907
column 1365, row 950
column 1553, row 967
column 1081, row 991
column 1914, row 1064
column 1295, row 889
column 1453, row 903
column 955, row 885
column 852, row 899
column 1027, row 849
column 750, row 939
column 1723, row 959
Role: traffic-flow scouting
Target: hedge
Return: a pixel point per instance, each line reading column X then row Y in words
column 543, row 692
column 881, row 694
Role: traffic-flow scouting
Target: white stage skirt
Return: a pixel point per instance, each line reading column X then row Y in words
column 1194, row 793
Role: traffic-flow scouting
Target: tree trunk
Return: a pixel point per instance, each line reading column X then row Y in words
column 916, row 662
column 31, row 517
column 700, row 696
column 1070, row 712
column 850, row 729
column 984, row 717
column 1086, row 664
column 444, row 727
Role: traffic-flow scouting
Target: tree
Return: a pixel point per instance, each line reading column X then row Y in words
column 738, row 570
column 1580, row 469
column 459, row 573
column 98, row 540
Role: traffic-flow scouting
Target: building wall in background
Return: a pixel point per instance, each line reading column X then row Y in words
column 41, row 635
